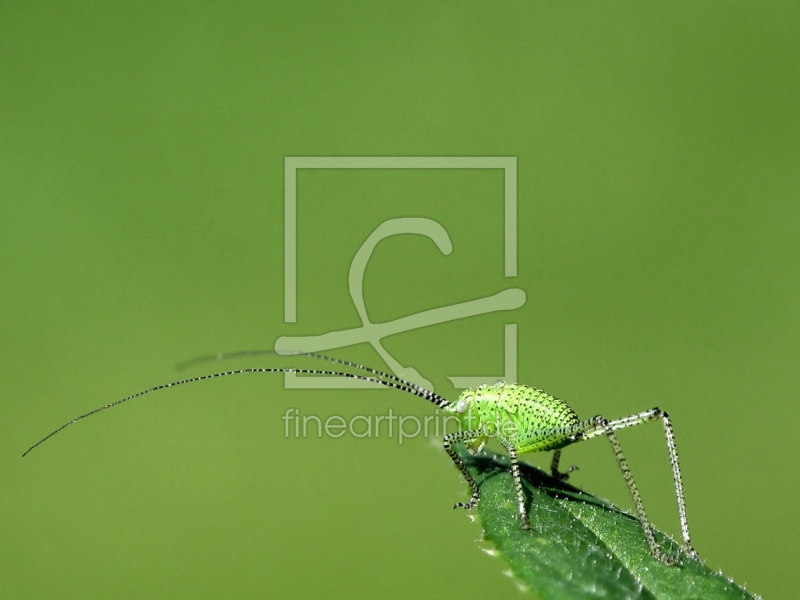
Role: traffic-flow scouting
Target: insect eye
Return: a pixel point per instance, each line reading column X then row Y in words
column 461, row 406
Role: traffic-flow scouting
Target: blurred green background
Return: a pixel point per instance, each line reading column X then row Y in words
column 141, row 223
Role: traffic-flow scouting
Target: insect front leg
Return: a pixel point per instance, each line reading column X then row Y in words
column 475, row 451
column 463, row 436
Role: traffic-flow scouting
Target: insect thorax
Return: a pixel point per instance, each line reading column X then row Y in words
column 527, row 417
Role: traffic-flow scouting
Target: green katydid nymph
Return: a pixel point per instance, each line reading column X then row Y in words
column 522, row 418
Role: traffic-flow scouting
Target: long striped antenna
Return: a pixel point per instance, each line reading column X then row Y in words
column 422, row 393
column 220, row 356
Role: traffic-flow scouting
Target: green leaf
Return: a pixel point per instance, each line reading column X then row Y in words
column 580, row 546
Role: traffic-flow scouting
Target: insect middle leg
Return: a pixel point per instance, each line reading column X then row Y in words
column 523, row 514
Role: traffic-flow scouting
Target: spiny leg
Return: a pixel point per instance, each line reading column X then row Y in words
column 652, row 415
column 600, row 426
column 676, row 476
column 523, row 515
column 463, row 436
column 563, row 476
column 647, row 528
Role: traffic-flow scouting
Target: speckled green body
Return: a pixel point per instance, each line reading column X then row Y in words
column 529, row 418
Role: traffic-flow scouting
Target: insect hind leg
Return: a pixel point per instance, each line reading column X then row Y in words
column 655, row 414
column 560, row 475
column 598, row 426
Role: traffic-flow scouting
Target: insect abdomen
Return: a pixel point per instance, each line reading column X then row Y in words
column 529, row 418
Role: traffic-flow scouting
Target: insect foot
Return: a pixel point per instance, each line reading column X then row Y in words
column 563, row 475
column 667, row 559
column 472, row 502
